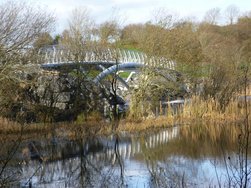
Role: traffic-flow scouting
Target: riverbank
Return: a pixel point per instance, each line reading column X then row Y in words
column 75, row 130
column 194, row 112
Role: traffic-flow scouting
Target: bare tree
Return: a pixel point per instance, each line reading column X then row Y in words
column 79, row 34
column 232, row 13
column 212, row 16
column 20, row 25
column 43, row 40
column 131, row 35
column 165, row 18
column 109, row 32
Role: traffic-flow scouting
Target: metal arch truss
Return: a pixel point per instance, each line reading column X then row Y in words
column 55, row 55
column 110, row 61
column 117, row 68
column 133, row 67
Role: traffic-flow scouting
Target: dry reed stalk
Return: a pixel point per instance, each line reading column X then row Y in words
column 196, row 110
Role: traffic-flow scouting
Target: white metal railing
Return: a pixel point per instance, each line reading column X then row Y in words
column 57, row 55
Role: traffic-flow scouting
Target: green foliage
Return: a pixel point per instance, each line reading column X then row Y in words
column 124, row 74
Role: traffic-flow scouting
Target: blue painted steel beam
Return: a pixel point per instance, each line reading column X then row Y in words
column 118, row 67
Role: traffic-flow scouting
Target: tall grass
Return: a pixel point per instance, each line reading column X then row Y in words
column 193, row 110
column 210, row 110
column 7, row 125
column 144, row 116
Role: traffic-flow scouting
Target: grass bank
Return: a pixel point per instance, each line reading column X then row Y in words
column 192, row 112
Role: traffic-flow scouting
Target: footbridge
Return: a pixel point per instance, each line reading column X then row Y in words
column 106, row 61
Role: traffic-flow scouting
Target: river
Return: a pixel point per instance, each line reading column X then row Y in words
column 174, row 157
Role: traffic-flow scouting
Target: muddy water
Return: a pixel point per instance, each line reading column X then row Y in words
column 174, row 157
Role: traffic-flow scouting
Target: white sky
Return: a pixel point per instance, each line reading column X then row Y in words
column 134, row 11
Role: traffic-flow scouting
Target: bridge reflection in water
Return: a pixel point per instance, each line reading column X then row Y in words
column 134, row 146
column 94, row 160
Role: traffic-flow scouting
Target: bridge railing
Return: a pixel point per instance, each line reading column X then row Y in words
column 57, row 55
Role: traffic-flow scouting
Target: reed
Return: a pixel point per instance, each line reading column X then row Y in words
column 148, row 117
column 195, row 110
column 209, row 110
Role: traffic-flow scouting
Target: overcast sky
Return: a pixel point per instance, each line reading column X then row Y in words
column 135, row 11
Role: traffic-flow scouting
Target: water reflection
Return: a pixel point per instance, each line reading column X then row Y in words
column 189, row 156
column 77, row 167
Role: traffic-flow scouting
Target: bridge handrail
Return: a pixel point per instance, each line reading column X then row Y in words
column 60, row 55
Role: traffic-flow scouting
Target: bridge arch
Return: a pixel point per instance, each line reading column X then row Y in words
column 116, row 68
column 131, row 67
